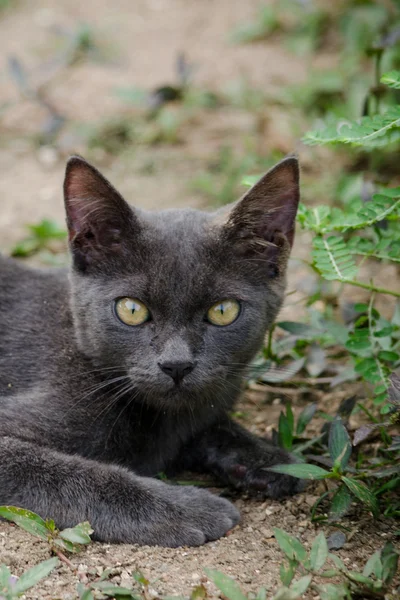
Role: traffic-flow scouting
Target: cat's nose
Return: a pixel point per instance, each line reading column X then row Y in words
column 177, row 370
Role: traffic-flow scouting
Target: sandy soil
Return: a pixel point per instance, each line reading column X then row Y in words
column 145, row 37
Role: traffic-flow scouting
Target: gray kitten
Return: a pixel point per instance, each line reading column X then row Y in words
column 129, row 364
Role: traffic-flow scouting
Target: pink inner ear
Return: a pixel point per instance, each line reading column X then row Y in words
column 92, row 203
column 281, row 217
column 271, row 204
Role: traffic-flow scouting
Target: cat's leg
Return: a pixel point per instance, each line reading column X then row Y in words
column 239, row 458
column 120, row 506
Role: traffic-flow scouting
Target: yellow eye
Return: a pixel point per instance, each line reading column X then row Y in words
column 224, row 312
column 131, row 311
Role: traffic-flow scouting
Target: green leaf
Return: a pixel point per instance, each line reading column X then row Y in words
column 332, row 591
column 359, row 339
column 114, row 590
column 392, row 79
column 339, row 443
column 140, row 578
column 286, row 594
column 34, row 575
column 290, row 545
column 27, row 520
column 47, row 230
column 261, row 594
column 80, row 534
column 390, row 559
column 84, row 593
column 365, row 365
column 338, row 562
column 5, row 576
column 359, row 578
column 66, row 545
column 374, row 566
column 386, row 355
column 25, row 247
column 287, row 574
column 360, row 491
column 367, row 131
column 384, row 332
column 329, row 573
column 340, row 504
column 251, row 180
column 301, row 585
column 299, row 329
column 360, row 307
column 51, row 526
column 290, row 416
column 305, row 417
column 300, row 470
column 285, row 432
column 226, row 585
column 332, row 258
column 319, row 552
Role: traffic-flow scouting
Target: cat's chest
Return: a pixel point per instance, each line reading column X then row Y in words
column 148, row 444
column 132, row 434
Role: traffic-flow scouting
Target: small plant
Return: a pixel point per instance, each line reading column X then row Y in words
column 373, row 582
column 13, row 587
column 80, row 44
column 347, row 483
column 41, row 237
column 71, row 539
column 289, row 431
column 345, row 239
column 376, row 131
column 102, row 585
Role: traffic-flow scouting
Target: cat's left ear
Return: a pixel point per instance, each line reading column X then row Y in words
column 268, row 210
column 97, row 215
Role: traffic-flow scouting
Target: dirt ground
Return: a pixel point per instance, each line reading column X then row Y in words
column 145, row 37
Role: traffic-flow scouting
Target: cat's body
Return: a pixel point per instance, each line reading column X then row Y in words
column 90, row 404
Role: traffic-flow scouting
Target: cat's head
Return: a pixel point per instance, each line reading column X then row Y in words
column 180, row 300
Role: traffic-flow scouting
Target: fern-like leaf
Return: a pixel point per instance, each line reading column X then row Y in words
column 392, row 79
column 385, row 249
column 333, row 259
column 367, row 131
column 380, row 208
column 323, row 219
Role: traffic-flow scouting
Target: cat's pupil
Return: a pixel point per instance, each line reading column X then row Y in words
column 221, row 309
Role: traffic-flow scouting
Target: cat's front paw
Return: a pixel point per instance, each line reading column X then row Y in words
column 252, row 474
column 190, row 516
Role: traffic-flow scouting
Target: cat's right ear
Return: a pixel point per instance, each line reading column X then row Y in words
column 97, row 215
